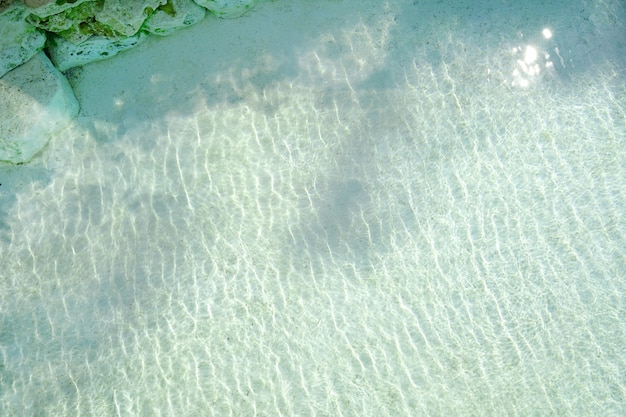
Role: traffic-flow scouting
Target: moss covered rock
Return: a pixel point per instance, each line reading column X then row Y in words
column 5, row 4
column 76, row 24
column 113, row 19
column 173, row 15
column 126, row 17
column 19, row 40
column 84, row 31
column 45, row 8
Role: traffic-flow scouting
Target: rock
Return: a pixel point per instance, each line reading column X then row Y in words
column 66, row 55
column 126, row 17
column 113, row 19
column 38, row 3
column 5, row 4
column 173, row 15
column 100, row 29
column 19, row 40
column 76, row 24
column 36, row 102
column 45, row 8
column 227, row 8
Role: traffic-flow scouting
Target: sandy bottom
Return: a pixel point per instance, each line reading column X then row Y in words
column 353, row 208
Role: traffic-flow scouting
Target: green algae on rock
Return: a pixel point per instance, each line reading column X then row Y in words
column 76, row 24
column 45, row 8
column 173, row 15
column 5, row 4
column 84, row 31
column 126, row 17
column 19, row 40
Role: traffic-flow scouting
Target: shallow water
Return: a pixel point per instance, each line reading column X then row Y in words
column 374, row 210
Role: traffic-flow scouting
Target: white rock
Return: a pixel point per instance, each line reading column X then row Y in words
column 36, row 102
column 227, row 8
column 175, row 14
column 45, row 8
column 126, row 17
column 66, row 55
column 76, row 24
column 19, row 41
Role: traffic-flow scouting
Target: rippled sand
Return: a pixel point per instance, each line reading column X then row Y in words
column 354, row 208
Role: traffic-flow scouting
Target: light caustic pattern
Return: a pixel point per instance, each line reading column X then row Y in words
column 440, row 246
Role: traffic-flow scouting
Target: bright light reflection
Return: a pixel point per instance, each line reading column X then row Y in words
column 530, row 55
column 547, row 33
column 530, row 60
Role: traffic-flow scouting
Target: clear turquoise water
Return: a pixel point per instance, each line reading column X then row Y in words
column 384, row 210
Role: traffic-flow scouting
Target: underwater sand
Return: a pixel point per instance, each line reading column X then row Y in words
column 353, row 208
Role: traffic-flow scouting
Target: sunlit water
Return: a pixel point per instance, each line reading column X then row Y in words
column 387, row 209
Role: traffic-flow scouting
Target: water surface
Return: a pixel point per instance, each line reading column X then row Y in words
column 330, row 208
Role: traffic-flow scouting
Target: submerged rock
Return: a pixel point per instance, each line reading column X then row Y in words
column 227, row 8
column 126, row 17
column 45, row 8
column 76, row 24
column 5, row 4
column 114, row 19
column 84, row 31
column 173, row 15
column 36, row 102
column 19, row 40
column 66, row 54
